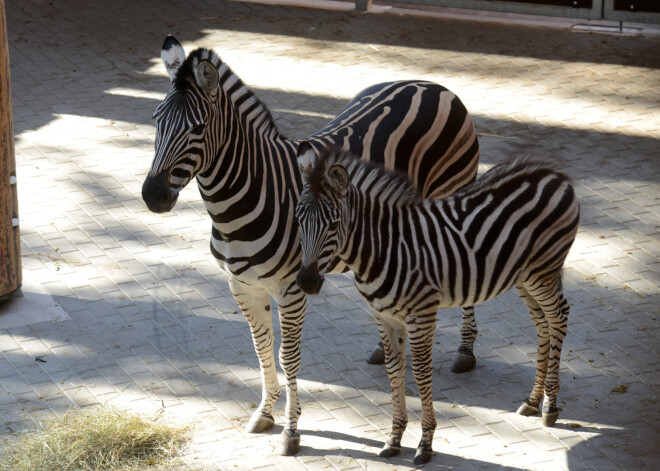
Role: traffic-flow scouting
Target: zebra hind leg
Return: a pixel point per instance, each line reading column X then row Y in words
column 530, row 405
column 465, row 359
column 421, row 331
column 558, row 323
column 549, row 312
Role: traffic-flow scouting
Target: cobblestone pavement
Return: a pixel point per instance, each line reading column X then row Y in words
column 126, row 307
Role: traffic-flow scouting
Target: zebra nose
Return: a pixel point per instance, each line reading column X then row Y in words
column 309, row 279
column 157, row 195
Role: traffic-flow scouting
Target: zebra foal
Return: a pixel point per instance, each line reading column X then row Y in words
column 411, row 256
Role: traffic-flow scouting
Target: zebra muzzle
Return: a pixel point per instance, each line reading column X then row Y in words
column 309, row 279
column 157, row 195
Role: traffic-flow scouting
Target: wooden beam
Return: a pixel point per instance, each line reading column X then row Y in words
column 10, row 241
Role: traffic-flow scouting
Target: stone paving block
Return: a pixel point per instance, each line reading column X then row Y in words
column 349, row 416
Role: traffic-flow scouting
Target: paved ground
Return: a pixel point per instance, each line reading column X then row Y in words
column 127, row 307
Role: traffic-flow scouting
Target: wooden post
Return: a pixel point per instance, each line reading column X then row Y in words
column 10, row 241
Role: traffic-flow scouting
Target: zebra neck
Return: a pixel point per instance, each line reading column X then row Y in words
column 383, row 234
column 253, row 181
column 367, row 241
column 253, row 161
column 245, row 171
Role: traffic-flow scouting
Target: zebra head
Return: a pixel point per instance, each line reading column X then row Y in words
column 184, row 119
column 320, row 213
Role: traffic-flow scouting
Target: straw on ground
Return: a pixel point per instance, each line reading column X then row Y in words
column 97, row 438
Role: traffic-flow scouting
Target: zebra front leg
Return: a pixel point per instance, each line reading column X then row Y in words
column 255, row 304
column 465, row 360
column 421, row 331
column 393, row 336
column 291, row 307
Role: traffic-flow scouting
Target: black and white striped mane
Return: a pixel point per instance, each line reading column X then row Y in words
column 372, row 178
column 231, row 83
column 395, row 187
column 502, row 174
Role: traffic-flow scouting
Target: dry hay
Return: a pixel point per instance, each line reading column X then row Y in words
column 97, row 438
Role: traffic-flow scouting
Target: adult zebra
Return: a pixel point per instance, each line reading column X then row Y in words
column 210, row 125
column 410, row 256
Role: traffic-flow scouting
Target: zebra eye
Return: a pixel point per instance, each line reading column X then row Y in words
column 333, row 225
column 198, row 129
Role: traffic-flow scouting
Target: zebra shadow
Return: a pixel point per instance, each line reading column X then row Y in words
column 370, row 447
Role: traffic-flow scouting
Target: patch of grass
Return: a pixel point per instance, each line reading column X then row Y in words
column 97, row 438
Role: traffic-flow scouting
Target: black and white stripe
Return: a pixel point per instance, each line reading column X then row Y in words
column 411, row 256
column 212, row 127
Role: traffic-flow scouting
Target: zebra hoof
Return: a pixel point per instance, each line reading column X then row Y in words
column 463, row 363
column 377, row 356
column 423, row 454
column 550, row 416
column 549, row 419
column 290, row 443
column 260, row 423
column 389, row 451
column 527, row 409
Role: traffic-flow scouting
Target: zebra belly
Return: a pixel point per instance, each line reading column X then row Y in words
column 399, row 307
column 454, row 294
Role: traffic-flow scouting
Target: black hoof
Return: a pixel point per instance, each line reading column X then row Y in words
column 463, row 363
column 550, row 416
column 377, row 356
column 290, row 443
column 260, row 423
column 423, row 454
column 389, row 451
column 527, row 409
column 550, row 419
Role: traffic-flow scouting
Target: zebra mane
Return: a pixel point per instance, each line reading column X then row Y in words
column 229, row 82
column 398, row 190
column 369, row 177
column 500, row 174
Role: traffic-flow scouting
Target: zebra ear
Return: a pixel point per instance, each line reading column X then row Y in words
column 306, row 157
column 173, row 55
column 206, row 76
column 338, row 178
